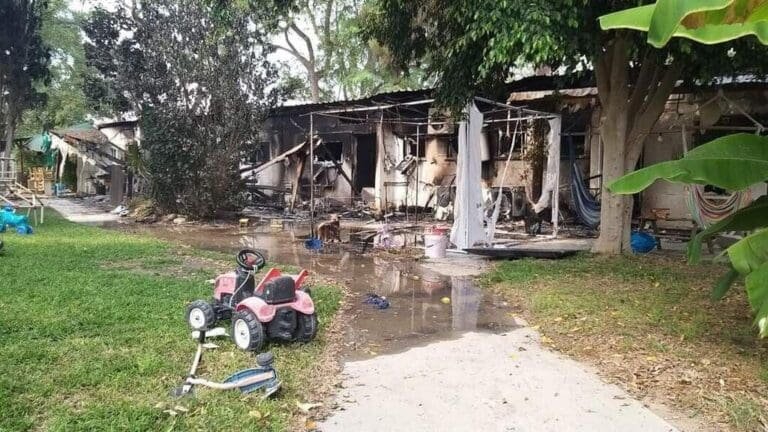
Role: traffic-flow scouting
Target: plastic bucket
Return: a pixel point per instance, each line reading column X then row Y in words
column 435, row 245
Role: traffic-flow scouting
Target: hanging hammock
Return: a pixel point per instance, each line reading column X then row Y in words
column 586, row 206
column 706, row 211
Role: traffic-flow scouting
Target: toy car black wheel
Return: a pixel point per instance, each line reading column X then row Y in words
column 306, row 330
column 200, row 315
column 247, row 331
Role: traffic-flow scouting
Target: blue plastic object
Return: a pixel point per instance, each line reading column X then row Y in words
column 9, row 218
column 376, row 301
column 313, row 243
column 642, row 242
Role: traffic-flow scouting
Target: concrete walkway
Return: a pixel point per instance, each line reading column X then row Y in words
column 483, row 382
column 78, row 211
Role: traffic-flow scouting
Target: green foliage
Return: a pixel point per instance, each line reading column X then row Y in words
column 325, row 38
column 704, row 21
column 98, row 337
column 198, row 75
column 732, row 162
column 24, row 64
column 475, row 46
column 65, row 101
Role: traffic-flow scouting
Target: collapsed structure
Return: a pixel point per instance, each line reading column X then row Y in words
column 397, row 151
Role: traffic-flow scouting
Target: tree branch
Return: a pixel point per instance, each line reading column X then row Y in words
column 307, row 41
column 296, row 55
column 310, row 11
column 602, row 78
column 647, row 118
column 646, row 78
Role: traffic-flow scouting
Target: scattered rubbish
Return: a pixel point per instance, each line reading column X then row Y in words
column 180, row 220
column 446, row 300
column 376, row 301
column 307, row 407
column 244, row 222
column 168, row 218
column 119, row 209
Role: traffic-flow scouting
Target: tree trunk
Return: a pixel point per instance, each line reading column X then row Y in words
column 10, row 129
column 629, row 113
column 613, row 208
column 314, row 84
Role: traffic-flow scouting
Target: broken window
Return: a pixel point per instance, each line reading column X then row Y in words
column 330, row 151
column 416, row 146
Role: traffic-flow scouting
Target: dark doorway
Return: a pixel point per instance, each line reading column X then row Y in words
column 365, row 166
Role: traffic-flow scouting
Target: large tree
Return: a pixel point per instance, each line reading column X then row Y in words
column 24, row 61
column 64, row 98
column 196, row 73
column 473, row 46
column 323, row 37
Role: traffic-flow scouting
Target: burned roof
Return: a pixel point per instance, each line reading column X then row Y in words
column 83, row 132
column 388, row 98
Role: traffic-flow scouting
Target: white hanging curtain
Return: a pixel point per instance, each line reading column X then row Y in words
column 550, row 188
column 467, row 228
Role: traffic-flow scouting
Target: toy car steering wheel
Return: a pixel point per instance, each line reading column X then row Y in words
column 250, row 260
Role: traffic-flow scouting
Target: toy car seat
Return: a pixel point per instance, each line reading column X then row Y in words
column 278, row 290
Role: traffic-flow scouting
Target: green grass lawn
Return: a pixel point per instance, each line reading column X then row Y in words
column 93, row 337
column 648, row 323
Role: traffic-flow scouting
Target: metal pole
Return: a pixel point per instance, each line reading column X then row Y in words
column 418, row 163
column 311, row 175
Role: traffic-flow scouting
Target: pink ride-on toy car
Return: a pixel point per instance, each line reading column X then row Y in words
column 275, row 308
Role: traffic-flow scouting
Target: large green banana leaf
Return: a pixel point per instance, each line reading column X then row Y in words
column 749, row 218
column 705, row 21
column 749, row 253
column 749, row 257
column 733, row 162
column 757, row 292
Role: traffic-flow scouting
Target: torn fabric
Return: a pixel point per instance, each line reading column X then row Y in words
column 468, row 210
column 552, row 172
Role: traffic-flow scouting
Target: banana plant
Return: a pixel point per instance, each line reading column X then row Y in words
column 704, row 21
column 733, row 162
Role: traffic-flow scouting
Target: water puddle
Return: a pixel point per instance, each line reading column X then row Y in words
column 425, row 304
